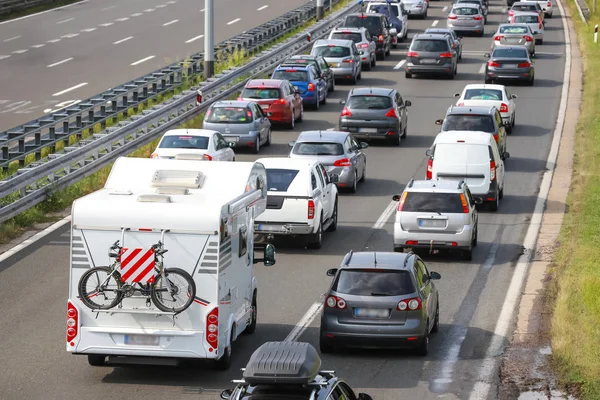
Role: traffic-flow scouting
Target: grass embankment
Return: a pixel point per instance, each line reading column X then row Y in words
column 61, row 199
column 576, row 267
column 37, row 9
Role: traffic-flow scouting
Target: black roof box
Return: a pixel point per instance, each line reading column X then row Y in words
column 283, row 363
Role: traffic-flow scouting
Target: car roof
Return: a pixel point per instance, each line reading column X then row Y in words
column 322, row 136
column 525, row 2
column 481, row 110
column 435, row 186
column 285, row 162
column 526, row 13
column 371, row 14
column 295, row 67
column 190, row 132
column 465, row 5
column 438, row 36
column 232, row 103
column 443, row 31
column 522, row 24
column 484, row 86
column 376, row 259
column 471, row 137
column 337, row 42
column 268, row 83
column 371, row 90
column 343, row 28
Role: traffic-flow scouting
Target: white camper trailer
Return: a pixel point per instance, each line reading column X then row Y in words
column 203, row 213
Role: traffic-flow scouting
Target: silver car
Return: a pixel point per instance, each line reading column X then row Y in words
column 466, row 18
column 363, row 41
column 480, row 3
column 380, row 299
column 436, row 215
column 241, row 123
column 342, row 56
column 339, row 152
column 417, row 8
column 514, row 35
column 535, row 22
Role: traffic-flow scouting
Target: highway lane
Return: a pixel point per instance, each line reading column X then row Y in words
column 33, row 287
column 74, row 53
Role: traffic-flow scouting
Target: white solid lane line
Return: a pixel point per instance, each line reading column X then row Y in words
column 445, row 8
column 2, row 57
column 108, row 8
column 400, row 64
column 107, row 24
column 64, row 21
column 53, row 41
column 434, row 23
column 37, row 46
column 262, row 8
column 136, row 14
column 385, row 216
column 60, row 62
column 69, row 89
column 194, row 39
column 234, row 21
column 170, row 22
column 11, row 39
column 142, row 60
column 123, row 40
column 301, row 326
column 20, row 51
column 89, row 30
column 122, row 19
column 482, row 69
column 43, row 12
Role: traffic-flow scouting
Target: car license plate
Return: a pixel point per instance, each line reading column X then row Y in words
column 264, row 106
column 371, row 312
column 233, row 139
column 142, row 340
column 509, row 65
column 270, row 228
column 432, row 223
column 367, row 130
column 334, row 65
column 428, row 61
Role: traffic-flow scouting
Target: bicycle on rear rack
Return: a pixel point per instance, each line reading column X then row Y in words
column 170, row 289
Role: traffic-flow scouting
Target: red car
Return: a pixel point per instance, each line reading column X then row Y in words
column 279, row 99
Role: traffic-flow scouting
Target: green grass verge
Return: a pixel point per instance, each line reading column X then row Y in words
column 61, row 199
column 575, row 287
column 37, row 9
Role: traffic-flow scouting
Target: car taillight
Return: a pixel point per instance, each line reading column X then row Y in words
column 446, row 55
column 348, row 61
column 429, row 169
column 540, row 25
column 524, row 65
column 496, row 137
column 412, row 54
column 249, row 114
column 504, row 108
column 335, row 302
column 492, row 170
column 549, row 4
column 452, row 16
column 511, row 12
column 380, row 38
column 461, row 104
column 343, row 162
column 528, row 38
column 346, row 112
column 498, row 37
column 154, row 155
column 311, row 209
column 212, row 328
column 465, row 206
column 72, row 323
column 478, row 18
column 402, row 200
column 282, row 101
column 493, row 64
column 392, row 113
column 311, row 87
column 208, row 157
column 363, row 46
column 410, row 304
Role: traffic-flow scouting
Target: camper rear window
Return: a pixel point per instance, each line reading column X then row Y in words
column 279, row 180
column 184, row 142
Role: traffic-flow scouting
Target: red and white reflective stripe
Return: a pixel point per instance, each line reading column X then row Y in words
column 137, row 265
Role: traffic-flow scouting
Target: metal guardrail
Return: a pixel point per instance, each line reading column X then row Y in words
column 584, row 10
column 32, row 184
column 10, row 6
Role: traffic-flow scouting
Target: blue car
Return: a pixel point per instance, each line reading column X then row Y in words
column 311, row 87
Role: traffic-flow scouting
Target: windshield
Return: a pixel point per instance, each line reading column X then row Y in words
column 436, row 46
column 514, row 29
column 291, row 75
column 332, row 51
column 483, row 94
column 229, row 115
column 432, row 202
column 279, row 180
column 184, row 142
column 318, row 149
column 526, row 19
column 509, row 53
column 373, row 24
column 369, row 102
column 355, row 37
column 483, row 123
column 465, row 11
column 373, row 282
column 261, row 93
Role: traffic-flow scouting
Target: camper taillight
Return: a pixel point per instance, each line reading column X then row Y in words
column 212, row 328
column 72, row 323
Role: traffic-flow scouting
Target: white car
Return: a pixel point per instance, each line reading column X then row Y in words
column 480, row 94
column 546, row 7
column 365, row 44
column 194, row 144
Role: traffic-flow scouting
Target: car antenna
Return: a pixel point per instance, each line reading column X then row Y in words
column 320, row 135
column 375, row 257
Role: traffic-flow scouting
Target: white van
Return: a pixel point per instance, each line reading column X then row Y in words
column 203, row 214
column 470, row 156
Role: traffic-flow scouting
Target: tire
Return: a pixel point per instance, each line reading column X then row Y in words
column 501, row 194
column 475, row 236
column 96, row 360
column 467, row 255
column 395, row 141
column 530, row 82
column 268, row 142
column 380, row 56
column 368, row 66
column 301, row 117
column 224, row 363
column 317, row 104
column 364, row 175
column 512, row 124
column 374, row 62
column 436, row 323
column 332, row 87
column 316, row 239
column 495, row 204
column 404, row 130
column 256, row 148
column 333, row 226
column 354, row 80
column 250, row 329
column 324, row 99
column 84, row 296
column 389, row 51
column 509, row 130
column 353, row 188
column 157, row 299
column 292, row 123
column 359, row 76
column 326, row 345
column 407, row 75
column 452, row 74
column 487, row 80
column 423, row 348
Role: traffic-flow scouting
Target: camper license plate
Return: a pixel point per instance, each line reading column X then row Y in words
column 371, row 313
column 432, row 223
column 142, row 340
column 367, row 130
column 270, row 228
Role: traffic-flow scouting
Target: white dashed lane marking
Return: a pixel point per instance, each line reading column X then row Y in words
column 11, row 39
column 170, row 22
column 60, row 62
column 234, row 21
column 69, row 89
column 123, row 40
column 64, row 21
column 194, row 39
column 142, row 60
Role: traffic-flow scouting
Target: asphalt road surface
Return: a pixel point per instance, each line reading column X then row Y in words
column 33, row 284
column 48, row 61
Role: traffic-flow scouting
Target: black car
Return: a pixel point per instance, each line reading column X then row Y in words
column 289, row 370
column 378, row 27
column 323, row 69
column 510, row 63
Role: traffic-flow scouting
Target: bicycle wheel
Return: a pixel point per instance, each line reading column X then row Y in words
column 176, row 294
column 99, row 289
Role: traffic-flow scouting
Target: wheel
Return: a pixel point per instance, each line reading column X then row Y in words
column 316, row 239
column 530, row 82
column 423, row 348
column 495, row 204
column 332, row 86
column 475, row 237
column 389, row 51
column 177, row 295
column 268, row 142
column 374, row 62
column 380, row 56
column 359, row 76
column 467, row 255
column 301, row 117
column 110, row 291
column 509, row 130
column 395, row 45
column 326, row 345
column 233, row 159
column 224, row 362
column 452, row 74
column 292, row 123
column 353, row 80
column 456, row 69
column 404, row 130
column 369, row 66
column 317, row 104
column 436, row 323
column 256, row 148
column 501, row 194
column 324, row 100
column 96, row 360
column 334, row 218
column 407, row 75
column 395, row 141
column 487, row 80
column 364, row 174
column 512, row 123
column 549, row 15
column 250, row 329
column 460, row 55
column 481, row 34
column 352, row 188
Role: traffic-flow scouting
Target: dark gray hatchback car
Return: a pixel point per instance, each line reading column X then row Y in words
column 380, row 300
column 431, row 54
column 375, row 113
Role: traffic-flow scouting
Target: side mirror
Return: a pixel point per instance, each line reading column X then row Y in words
column 514, row 96
column 428, row 152
column 374, row 38
column 364, row 145
column 364, row 396
column 460, row 38
column 268, row 258
column 332, row 271
column 439, row 121
column 393, row 32
column 334, row 178
column 226, row 394
column 408, row 103
column 506, row 155
column 342, row 102
column 434, row 276
column 292, row 143
column 396, row 197
column 478, row 200
column 456, row 94
column 487, row 55
column 231, row 144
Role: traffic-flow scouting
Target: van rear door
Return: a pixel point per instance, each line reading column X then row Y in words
column 463, row 161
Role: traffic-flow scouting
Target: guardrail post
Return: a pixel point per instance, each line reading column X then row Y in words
column 595, row 30
column 209, row 44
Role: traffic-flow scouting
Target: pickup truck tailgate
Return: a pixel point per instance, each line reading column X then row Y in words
column 285, row 215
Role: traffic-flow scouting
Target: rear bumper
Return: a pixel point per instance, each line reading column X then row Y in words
column 433, row 240
column 429, row 69
column 242, row 141
column 416, row 11
column 466, row 29
column 509, row 75
column 490, row 195
column 283, row 228
column 310, row 98
column 340, row 72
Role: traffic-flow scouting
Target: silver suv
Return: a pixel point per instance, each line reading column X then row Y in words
column 436, row 215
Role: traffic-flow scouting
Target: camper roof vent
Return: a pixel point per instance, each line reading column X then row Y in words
column 118, row 192
column 154, row 198
column 172, row 190
column 192, row 157
column 177, row 178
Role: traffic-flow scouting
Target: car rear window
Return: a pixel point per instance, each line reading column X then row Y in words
column 332, row 51
column 378, row 8
column 229, row 115
column 514, row 29
column 526, row 19
column 465, row 11
column 509, row 53
column 453, row 153
column 436, row 46
column 355, row 37
column 299, row 61
column 524, row 7
column 292, row 75
column 373, row 282
column 372, row 23
column 184, row 142
column 369, row 102
column 432, row 202
column 471, row 122
column 318, row 149
column 483, row 94
column 279, row 180
column 261, row 93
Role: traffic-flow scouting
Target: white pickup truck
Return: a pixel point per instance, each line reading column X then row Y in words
column 302, row 199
